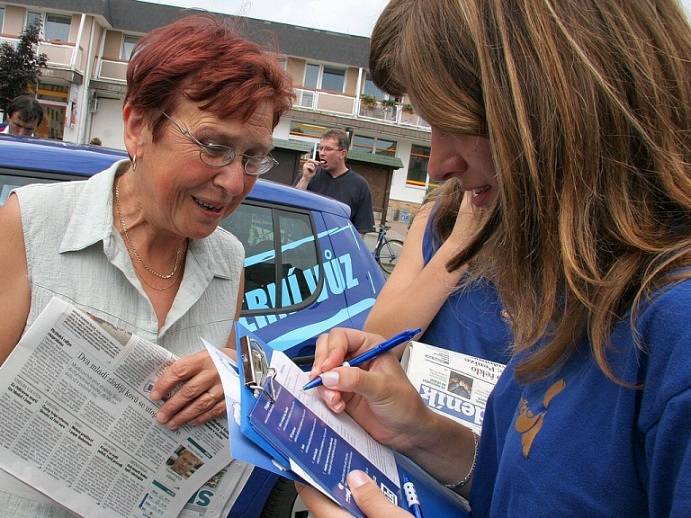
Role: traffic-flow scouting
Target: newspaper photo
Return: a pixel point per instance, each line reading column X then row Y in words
column 77, row 424
column 453, row 384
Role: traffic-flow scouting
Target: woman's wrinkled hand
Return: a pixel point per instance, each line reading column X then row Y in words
column 366, row 493
column 377, row 395
column 197, row 393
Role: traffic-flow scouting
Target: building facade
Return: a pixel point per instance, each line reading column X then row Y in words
column 89, row 43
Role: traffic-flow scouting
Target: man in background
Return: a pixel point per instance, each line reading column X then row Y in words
column 330, row 176
column 24, row 114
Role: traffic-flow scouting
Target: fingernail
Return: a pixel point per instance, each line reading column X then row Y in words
column 357, row 479
column 161, row 418
column 339, row 408
column 172, row 427
column 330, row 379
column 154, row 395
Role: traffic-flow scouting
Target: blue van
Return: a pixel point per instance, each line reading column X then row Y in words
column 306, row 269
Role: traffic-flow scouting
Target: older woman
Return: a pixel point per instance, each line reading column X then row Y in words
column 570, row 121
column 138, row 245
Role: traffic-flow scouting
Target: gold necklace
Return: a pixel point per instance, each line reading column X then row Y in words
column 164, row 288
column 133, row 251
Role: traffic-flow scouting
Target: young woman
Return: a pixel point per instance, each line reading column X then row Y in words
column 577, row 113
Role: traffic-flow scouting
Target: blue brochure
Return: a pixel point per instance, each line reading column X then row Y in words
column 299, row 433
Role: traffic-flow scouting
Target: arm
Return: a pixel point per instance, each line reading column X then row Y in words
column 414, row 292
column 362, row 215
column 15, row 292
column 309, row 169
column 200, row 397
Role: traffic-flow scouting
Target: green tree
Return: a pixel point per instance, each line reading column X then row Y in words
column 20, row 67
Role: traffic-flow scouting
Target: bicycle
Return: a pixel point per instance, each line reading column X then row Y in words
column 387, row 251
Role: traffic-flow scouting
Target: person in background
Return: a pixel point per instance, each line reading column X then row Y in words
column 560, row 108
column 139, row 245
column 24, row 115
column 422, row 292
column 331, row 177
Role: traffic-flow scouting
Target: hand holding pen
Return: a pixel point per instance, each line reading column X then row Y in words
column 372, row 353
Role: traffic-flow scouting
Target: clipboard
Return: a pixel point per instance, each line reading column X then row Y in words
column 272, row 418
column 255, row 374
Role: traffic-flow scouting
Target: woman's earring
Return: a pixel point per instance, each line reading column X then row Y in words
column 134, row 163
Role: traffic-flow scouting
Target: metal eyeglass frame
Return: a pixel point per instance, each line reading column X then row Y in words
column 264, row 163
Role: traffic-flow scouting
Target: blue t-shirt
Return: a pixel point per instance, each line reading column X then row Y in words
column 471, row 320
column 578, row 444
column 349, row 188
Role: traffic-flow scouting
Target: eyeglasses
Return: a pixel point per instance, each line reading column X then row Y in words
column 327, row 149
column 216, row 155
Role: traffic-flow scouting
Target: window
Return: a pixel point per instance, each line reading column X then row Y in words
column 385, row 147
column 48, row 92
column 369, row 88
column 299, row 263
column 333, row 79
column 311, row 76
column 8, row 182
column 324, row 77
column 34, row 18
column 57, row 27
column 417, row 167
column 364, row 144
column 306, row 129
column 2, row 18
column 128, row 44
column 311, row 82
column 299, row 272
column 375, row 145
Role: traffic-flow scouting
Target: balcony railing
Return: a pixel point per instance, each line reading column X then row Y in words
column 340, row 104
column 60, row 55
column 325, row 101
column 111, row 70
column 391, row 113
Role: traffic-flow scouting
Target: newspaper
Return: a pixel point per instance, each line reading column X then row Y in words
column 78, row 426
column 218, row 494
column 453, row 384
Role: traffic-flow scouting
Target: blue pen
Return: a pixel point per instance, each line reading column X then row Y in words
column 387, row 345
column 411, row 497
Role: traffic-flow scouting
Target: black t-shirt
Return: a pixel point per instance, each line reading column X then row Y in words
column 351, row 189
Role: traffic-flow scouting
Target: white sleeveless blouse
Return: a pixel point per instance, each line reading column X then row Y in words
column 74, row 252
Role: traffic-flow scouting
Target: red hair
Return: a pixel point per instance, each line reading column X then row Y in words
column 205, row 60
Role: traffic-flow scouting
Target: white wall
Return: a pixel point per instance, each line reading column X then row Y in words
column 71, row 131
column 107, row 123
column 399, row 189
column 282, row 129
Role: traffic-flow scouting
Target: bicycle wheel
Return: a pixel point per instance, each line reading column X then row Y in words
column 388, row 252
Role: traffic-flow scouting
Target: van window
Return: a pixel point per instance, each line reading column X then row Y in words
column 9, row 182
column 280, row 251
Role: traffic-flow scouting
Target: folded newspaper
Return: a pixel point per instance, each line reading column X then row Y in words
column 453, row 384
column 77, row 425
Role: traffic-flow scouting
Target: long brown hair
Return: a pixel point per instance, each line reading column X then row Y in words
column 586, row 104
column 447, row 198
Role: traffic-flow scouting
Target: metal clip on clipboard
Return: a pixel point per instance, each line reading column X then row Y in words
column 258, row 375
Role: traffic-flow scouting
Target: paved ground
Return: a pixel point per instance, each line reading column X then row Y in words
column 398, row 230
